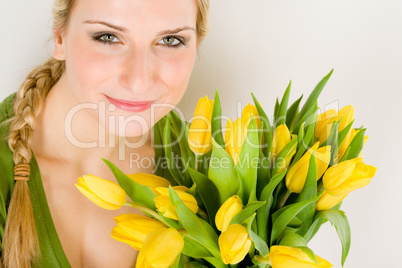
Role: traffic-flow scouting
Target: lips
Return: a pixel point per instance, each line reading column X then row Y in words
column 131, row 106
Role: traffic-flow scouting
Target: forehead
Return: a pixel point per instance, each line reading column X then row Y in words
column 138, row 13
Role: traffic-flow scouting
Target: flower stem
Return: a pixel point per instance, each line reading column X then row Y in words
column 284, row 199
column 196, row 162
column 149, row 211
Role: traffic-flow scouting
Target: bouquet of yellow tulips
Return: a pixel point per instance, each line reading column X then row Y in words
column 252, row 194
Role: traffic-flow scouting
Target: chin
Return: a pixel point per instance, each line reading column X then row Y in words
column 132, row 129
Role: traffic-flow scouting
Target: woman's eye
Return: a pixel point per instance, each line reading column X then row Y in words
column 107, row 38
column 171, row 41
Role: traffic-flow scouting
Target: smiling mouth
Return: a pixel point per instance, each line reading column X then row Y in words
column 131, row 106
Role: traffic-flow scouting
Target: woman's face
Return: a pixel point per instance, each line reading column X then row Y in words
column 129, row 51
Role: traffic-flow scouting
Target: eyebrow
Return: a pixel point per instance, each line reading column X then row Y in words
column 122, row 29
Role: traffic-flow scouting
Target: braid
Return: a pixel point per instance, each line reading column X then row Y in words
column 21, row 247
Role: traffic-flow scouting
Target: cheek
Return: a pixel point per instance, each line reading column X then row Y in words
column 176, row 74
column 87, row 68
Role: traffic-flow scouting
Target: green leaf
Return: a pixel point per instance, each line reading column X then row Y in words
column 267, row 129
column 312, row 98
column 248, row 163
column 284, row 106
column 176, row 262
column 260, row 244
column 293, row 112
column 208, row 193
column 356, row 145
column 194, row 249
column 307, row 117
column 309, row 253
column 309, row 191
column 263, row 173
column 263, row 169
column 187, row 156
column 203, row 162
column 216, row 262
column 305, row 141
column 222, row 172
column 343, row 133
column 138, row 193
column 194, row 264
column 333, row 141
column 295, row 223
column 279, row 162
column 160, row 159
column 287, row 215
column 174, row 170
column 276, row 112
column 247, row 212
column 216, row 124
column 314, row 228
column 309, row 137
column 158, row 145
column 263, row 212
column 301, row 145
column 340, row 221
column 291, row 239
column 194, row 226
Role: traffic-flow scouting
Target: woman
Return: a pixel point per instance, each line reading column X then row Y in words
column 117, row 68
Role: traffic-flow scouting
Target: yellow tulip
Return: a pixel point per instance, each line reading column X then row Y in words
column 163, row 204
column 230, row 208
column 133, row 229
column 234, row 244
column 104, row 193
column 281, row 166
column 347, row 114
column 347, row 176
column 292, row 257
column 199, row 136
column 160, row 249
column 296, row 176
column 235, row 135
column 246, row 115
column 280, row 139
column 325, row 120
column 323, row 123
column 150, row 180
column 327, row 201
column 346, row 142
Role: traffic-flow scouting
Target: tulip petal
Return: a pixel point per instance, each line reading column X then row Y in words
column 106, row 190
column 160, row 248
column 338, row 173
column 327, row 201
column 150, row 180
column 95, row 199
column 199, row 137
column 234, row 244
column 292, row 257
column 163, row 203
column 347, row 114
column 230, row 208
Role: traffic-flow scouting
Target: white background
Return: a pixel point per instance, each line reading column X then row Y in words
column 258, row 46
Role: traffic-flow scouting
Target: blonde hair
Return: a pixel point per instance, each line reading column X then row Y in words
column 21, row 246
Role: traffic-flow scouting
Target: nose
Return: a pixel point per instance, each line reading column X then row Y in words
column 138, row 71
